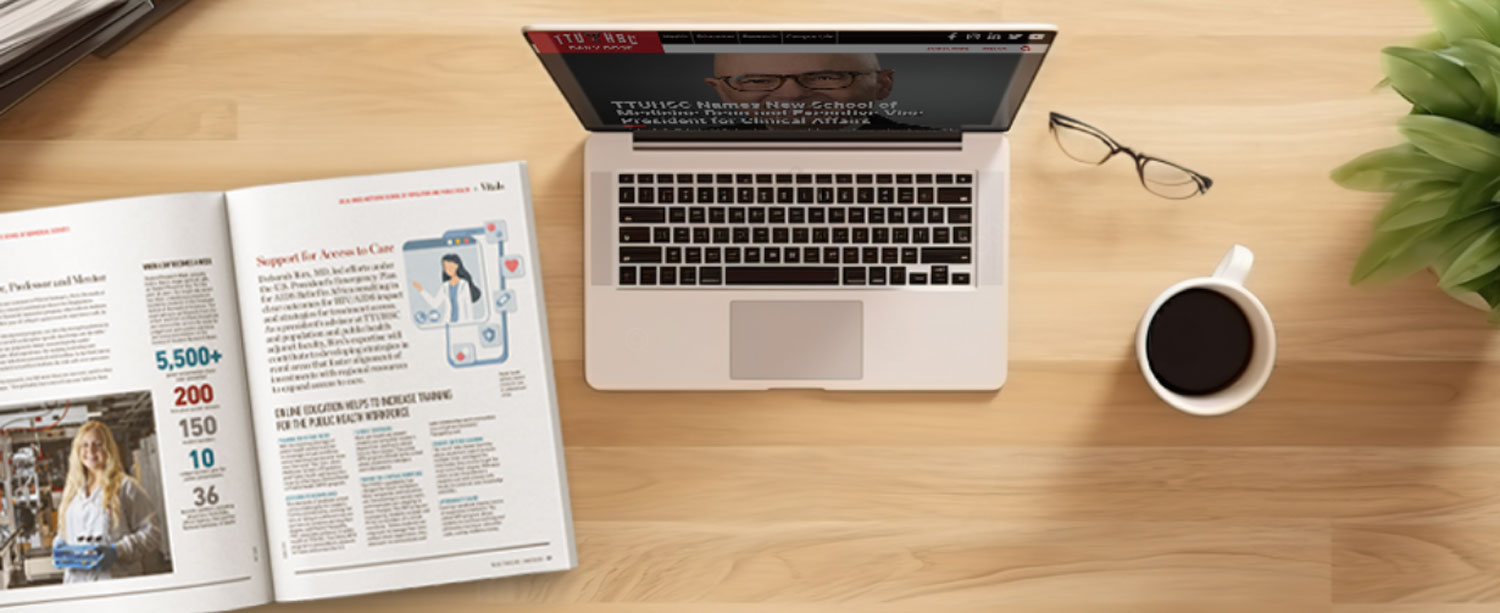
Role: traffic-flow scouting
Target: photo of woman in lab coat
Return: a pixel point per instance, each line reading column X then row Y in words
column 456, row 298
column 105, row 507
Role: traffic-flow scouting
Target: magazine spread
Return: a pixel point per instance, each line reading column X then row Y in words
column 210, row 401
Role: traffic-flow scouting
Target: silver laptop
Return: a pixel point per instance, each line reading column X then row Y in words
column 795, row 206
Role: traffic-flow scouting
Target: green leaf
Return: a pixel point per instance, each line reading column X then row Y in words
column 1395, row 255
column 1452, row 141
column 1480, row 282
column 1390, row 169
column 1479, row 257
column 1491, row 295
column 1434, row 83
column 1476, row 191
column 1486, row 15
column 1417, row 204
column 1482, row 60
column 1478, row 66
column 1459, row 20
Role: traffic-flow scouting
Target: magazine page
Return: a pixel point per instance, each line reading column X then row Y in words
column 126, row 449
column 401, row 379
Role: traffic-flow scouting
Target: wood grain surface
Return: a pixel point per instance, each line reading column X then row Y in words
column 1366, row 478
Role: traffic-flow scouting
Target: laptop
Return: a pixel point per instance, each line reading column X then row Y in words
column 795, row 206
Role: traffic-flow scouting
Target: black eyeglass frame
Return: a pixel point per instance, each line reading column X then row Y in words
column 1055, row 120
column 852, row 74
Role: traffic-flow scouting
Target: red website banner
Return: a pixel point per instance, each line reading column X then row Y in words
column 596, row 42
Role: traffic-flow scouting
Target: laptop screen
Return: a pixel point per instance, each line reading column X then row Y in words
column 794, row 83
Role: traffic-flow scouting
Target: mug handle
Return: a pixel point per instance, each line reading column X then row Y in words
column 1235, row 266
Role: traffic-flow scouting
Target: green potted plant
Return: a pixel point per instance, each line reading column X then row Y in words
column 1444, row 179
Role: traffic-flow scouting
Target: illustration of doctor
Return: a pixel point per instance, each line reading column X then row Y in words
column 457, row 297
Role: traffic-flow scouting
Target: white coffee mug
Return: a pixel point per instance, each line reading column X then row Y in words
column 1228, row 280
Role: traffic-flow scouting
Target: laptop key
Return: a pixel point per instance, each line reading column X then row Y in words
column 731, row 255
column 627, row 195
column 701, row 235
column 854, row 275
column 960, row 278
column 763, row 178
column 721, row 236
column 825, row 195
column 960, row 214
column 824, row 178
column 687, row 275
column 962, row 235
column 797, row 215
column 939, row 275
column 903, row 179
column 667, row 275
column 924, row 195
column 664, row 195
column 877, row 275
column 836, row 215
column 864, row 178
column 745, row 195
column 705, row 178
column 924, row 178
column 710, row 275
column 737, row 215
column 771, row 255
column 898, row 275
column 627, row 275
column 627, row 179
column 945, row 255
column 945, row 178
column 685, row 195
column 843, row 178
column 804, row 178
column 820, row 235
column 831, row 255
column 810, row 255
column 805, row 195
column 880, row 235
column 954, row 195
column 692, row 255
column 661, row 234
column 781, row 275
column 744, row 178
column 705, row 195
column 940, row 236
column 752, row 255
column 717, row 214
column 682, row 235
column 917, row 278
column 906, row 195
column 784, row 195
column 635, row 234
column 684, row 178
column 646, row 196
column 777, row 215
column 697, row 214
column 645, row 178
column 783, row 178
column 765, row 195
column 646, row 275
column 964, row 178
column 643, row 214
column 724, row 177
column 908, row 255
column 757, row 215
column 664, row 178
column 791, row 255
column 674, row 255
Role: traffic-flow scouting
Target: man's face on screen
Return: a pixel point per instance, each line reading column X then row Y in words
column 801, row 91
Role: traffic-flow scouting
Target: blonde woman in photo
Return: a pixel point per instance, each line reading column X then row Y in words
column 102, row 505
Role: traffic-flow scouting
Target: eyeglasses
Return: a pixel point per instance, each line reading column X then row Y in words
column 823, row 79
column 1091, row 145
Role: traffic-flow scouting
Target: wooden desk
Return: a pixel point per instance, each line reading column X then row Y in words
column 1367, row 473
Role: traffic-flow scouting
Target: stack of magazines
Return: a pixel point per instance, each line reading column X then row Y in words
column 39, row 39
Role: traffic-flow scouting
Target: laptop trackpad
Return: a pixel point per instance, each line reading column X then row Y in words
column 796, row 339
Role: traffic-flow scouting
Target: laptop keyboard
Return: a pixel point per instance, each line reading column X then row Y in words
column 798, row 229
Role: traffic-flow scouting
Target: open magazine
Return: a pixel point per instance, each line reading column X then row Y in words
column 217, row 400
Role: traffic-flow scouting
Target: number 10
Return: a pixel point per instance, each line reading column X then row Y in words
column 202, row 458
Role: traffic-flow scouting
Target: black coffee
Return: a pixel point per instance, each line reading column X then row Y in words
column 1199, row 342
